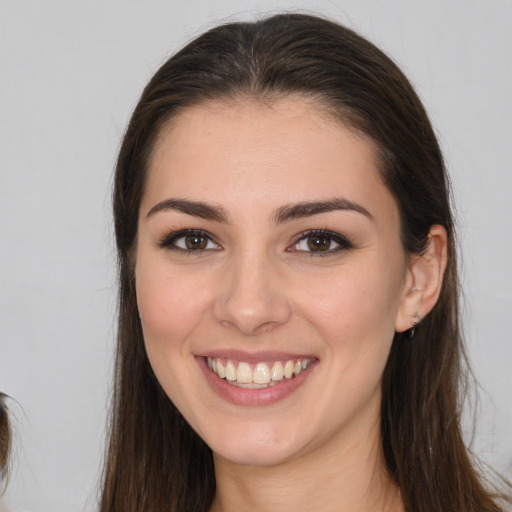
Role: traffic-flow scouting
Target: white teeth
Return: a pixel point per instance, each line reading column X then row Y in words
column 261, row 374
column 243, row 374
column 277, row 371
column 252, row 385
column 221, row 371
column 288, row 369
column 230, row 371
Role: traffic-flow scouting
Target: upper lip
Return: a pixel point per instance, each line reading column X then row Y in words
column 254, row 357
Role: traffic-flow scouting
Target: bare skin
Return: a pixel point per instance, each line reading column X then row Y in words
column 350, row 479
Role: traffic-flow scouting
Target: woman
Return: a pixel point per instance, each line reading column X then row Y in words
column 288, row 325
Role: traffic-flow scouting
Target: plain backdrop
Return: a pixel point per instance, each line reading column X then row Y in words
column 70, row 74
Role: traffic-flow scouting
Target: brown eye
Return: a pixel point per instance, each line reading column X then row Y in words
column 319, row 243
column 196, row 242
column 189, row 240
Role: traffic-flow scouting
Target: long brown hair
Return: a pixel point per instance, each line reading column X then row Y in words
column 5, row 439
column 154, row 459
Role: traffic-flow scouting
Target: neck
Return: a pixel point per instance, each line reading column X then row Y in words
column 339, row 478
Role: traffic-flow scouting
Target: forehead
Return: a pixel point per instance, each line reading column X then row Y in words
column 289, row 150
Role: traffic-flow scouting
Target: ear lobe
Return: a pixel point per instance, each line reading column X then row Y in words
column 424, row 280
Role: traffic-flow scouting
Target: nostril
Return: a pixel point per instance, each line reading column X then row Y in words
column 254, row 320
column 251, row 297
column 250, row 328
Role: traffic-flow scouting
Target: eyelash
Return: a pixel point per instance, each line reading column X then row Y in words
column 169, row 241
column 343, row 242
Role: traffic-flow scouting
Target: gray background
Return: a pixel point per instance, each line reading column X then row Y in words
column 71, row 72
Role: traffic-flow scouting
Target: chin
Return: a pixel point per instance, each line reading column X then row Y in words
column 256, row 445
column 252, row 455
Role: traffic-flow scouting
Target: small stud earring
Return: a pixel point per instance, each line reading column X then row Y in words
column 414, row 323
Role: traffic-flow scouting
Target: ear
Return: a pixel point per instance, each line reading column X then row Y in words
column 424, row 280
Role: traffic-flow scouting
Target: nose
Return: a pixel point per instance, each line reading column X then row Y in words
column 252, row 298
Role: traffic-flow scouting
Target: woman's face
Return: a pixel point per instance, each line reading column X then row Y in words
column 269, row 277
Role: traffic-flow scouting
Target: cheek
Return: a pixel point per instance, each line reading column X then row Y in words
column 354, row 312
column 356, row 302
column 170, row 305
column 171, row 308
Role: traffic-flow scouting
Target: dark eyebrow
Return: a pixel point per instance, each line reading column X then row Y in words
column 307, row 209
column 195, row 208
column 283, row 214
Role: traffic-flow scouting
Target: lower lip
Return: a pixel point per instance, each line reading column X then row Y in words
column 253, row 397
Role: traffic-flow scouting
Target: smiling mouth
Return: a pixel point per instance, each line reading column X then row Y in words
column 258, row 375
